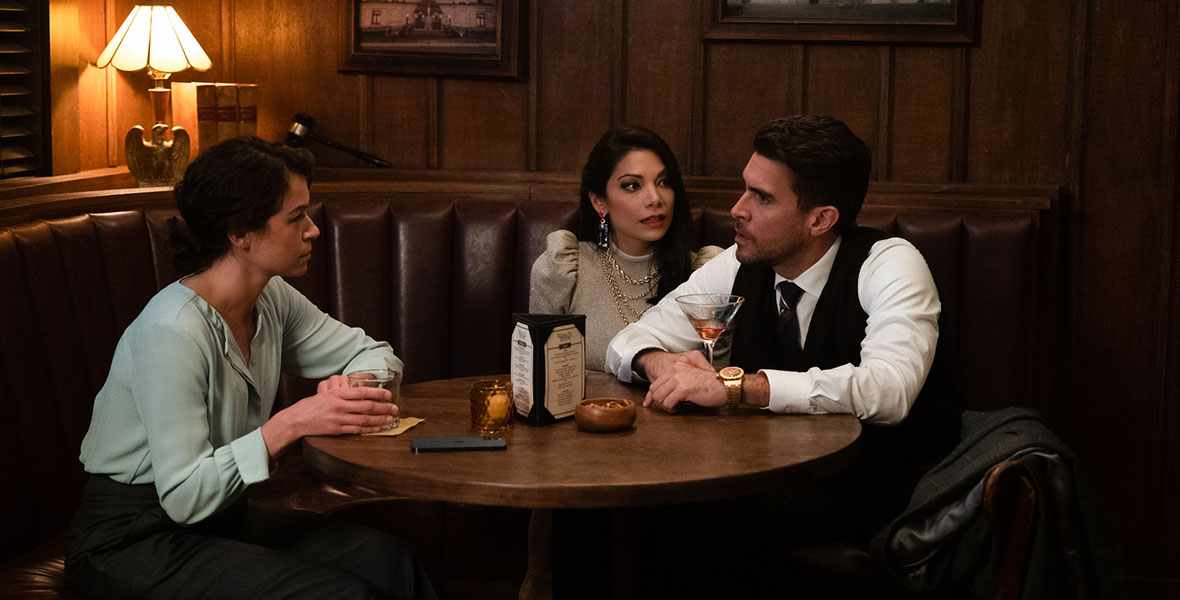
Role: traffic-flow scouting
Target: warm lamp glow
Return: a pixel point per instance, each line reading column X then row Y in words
column 154, row 38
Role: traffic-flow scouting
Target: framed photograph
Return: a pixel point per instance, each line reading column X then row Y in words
column 473, row 39
column 920, row 21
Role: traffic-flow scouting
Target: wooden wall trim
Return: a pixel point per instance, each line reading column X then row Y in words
column 960, row 110
column 1075, row 161
column 883, row 161
column 804, row 78
column 1170, row 124
column 364, row 112
column 433, row 123
column 228, row 41
column 1078, row 75
column 64, row 75
column 696, row 157
column 715, row 192
column 536, row 74
column 23, row 210
column 618, row 60
column 1074, row 169
column 532, row 159
column 98, row 179
column 114, row 140
column 1168, row 549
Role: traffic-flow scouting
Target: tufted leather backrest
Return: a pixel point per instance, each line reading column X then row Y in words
column 438, row 275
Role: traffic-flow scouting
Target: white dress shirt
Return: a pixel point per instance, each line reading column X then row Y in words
column 896, row 291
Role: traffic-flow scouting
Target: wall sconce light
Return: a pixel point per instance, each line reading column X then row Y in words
column 154, row 38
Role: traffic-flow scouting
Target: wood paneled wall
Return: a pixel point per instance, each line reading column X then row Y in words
column 1081, row 94
column 1124, row 322
column 931, row 114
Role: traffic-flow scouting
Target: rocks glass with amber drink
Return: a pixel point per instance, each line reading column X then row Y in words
column 387, row 379
column 491, row 406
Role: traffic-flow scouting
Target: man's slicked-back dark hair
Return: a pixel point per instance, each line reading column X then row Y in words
column 830, row 164
column 230, row 189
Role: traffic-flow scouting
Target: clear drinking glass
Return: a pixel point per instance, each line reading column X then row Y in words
column 710, row 315
column 389, row 379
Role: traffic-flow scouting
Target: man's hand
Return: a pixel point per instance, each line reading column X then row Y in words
column 682, row 378
column 651, row 362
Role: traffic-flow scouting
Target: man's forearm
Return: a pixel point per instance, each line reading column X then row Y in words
column 643, row 359
column 652, row 362
column 756, row 389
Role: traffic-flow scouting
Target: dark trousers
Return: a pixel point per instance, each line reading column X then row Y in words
column 123, row 545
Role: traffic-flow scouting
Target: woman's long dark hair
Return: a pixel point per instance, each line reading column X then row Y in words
column 671, row 253
column 230, row 189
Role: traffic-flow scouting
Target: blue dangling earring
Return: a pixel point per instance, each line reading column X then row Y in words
column 603, row 231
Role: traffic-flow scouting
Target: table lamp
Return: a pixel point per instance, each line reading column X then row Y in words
column 154, row 38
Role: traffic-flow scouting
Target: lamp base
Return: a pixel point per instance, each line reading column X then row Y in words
column 161, row 98
column 157, row 163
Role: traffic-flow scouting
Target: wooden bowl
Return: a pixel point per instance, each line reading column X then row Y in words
column 605, row 414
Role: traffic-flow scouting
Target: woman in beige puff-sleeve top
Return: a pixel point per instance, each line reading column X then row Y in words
column 632, row 246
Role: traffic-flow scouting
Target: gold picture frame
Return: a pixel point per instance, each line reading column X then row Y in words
column 470, row 39
column 881, row 21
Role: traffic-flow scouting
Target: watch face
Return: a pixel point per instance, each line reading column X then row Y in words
column 731, row 372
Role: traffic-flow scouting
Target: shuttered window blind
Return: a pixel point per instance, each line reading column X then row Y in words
column 24, row 82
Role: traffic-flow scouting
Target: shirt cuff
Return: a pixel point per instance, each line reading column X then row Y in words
column 252, row 457
column 620, row 355
column 623, row 370
column 789, row 391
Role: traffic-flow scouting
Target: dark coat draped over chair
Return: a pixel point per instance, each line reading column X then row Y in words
column 1007, row 514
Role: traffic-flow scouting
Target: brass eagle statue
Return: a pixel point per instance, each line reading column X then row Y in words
column 157, row 162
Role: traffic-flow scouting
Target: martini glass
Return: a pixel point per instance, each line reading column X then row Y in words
column 710, row 315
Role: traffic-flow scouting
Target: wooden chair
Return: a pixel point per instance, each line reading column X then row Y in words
column 1010, row 503
column 846, row 570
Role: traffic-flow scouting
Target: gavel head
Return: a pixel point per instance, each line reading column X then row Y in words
column 300, row 130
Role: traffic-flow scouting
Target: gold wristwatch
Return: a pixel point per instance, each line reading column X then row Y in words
column 732, row 378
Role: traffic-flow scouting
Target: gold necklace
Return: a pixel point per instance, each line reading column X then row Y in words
column 622, row 300
column 609, row 258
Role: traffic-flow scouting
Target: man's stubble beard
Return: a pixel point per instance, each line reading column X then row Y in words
column 771, row 258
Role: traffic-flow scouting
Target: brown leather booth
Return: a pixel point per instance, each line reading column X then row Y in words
column 435, row 266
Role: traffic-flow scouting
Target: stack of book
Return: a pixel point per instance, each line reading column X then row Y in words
column 212, row 112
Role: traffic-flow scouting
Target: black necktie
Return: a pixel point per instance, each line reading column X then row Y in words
column 788, row 322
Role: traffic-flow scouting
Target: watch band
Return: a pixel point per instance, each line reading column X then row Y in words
column 733, row 392
column 732, row 378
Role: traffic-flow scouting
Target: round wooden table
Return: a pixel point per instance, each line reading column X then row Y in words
column 696, row 455
column 693, row 456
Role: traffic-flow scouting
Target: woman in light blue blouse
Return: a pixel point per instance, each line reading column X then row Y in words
column 183, row 424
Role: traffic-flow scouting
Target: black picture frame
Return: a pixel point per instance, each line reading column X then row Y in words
column 464, row 39
column 904, row 21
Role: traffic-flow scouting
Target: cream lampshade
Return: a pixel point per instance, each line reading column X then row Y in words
column 154, row 38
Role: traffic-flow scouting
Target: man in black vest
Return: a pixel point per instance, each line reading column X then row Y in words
column 836, row 319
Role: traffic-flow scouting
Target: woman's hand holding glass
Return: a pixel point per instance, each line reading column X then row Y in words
column 338, row 408
column 386, row 379
column 335, row 409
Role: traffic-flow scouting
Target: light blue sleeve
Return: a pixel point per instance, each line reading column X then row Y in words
column 317, row 346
